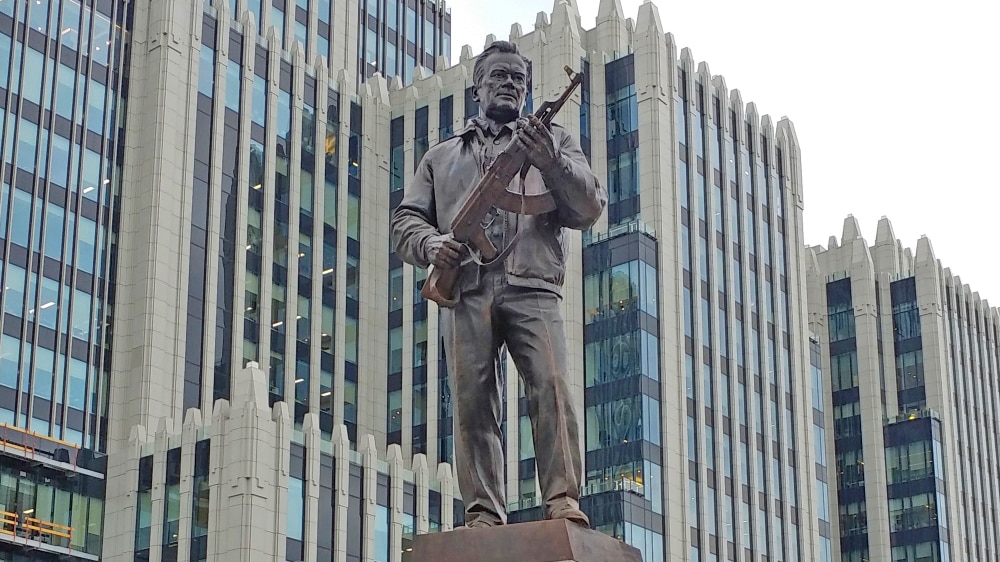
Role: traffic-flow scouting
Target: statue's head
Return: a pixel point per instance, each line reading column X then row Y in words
column 501, row 81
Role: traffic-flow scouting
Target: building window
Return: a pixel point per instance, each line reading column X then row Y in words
column 844, row 370
column 840, row 311
column 296, row 504
column 913, row 512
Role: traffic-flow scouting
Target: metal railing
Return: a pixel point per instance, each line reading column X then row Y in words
column 36, row 529
column 618, row 230
column 34, row 445
column 913, row 415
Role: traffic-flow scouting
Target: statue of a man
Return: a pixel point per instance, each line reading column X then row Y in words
column 515, row 301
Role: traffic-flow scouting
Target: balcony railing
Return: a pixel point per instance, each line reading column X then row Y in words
column 39, row 534
column 618, row 230
column 913, row 415
column 54, row 452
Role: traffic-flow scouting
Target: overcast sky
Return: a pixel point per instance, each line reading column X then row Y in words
column 895, row 105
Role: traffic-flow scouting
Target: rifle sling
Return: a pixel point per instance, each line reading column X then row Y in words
column 517, row 230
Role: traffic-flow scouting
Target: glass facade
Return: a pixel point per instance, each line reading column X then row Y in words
column 62, row 64
column 400, row 35
column 914, row 461
column 398, row 174
column 295, row 518
column 622, row 395
column 972, row 333
column 907, row 346
column 848, row 438
column 820, row 389
column 622, row 141
column 58, row 200
column 289, row 266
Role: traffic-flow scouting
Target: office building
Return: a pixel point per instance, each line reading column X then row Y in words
column 687, row 301
column 258, row 346
column 392, row 37
column 401, row 35
column 912, row 357
column 62, row 87
column 243, row 482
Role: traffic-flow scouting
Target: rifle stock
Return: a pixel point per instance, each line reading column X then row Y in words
column 440, row 286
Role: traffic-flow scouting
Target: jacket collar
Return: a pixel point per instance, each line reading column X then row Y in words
column 486, row 126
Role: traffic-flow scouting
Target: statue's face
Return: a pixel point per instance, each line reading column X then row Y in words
column 503, row 86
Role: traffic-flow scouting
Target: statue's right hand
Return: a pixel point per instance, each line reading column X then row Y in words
column 445, row 252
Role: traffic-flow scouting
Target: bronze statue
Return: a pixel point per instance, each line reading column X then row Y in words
column 512, row 297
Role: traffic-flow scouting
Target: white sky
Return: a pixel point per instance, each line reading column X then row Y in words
column 894, row 103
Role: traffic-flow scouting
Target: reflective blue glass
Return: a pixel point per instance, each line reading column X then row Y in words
column 302, row 35
column 59, row 165
column 278, row 22
column 391, row 13
column 284, row 116
column 20, row 217
column 10, row 352
column 38, row 16
column 206, row 70
column 101, row 43
column 4, row 208
column 234, row 81
column 65, row 86
column 82, row 305
column 87, row 244
column 5, row 60
column 429, row 44
column 411, row 25
column 34, row 68
column 296, row 505
column 371, row 46
column 43, row 367
column 381, row 533
column 27, row 139
column 322, row 46
column 259, row 102
column 48, row 310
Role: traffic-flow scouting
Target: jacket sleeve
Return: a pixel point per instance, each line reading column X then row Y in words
column 415, row 219
column 580, row 197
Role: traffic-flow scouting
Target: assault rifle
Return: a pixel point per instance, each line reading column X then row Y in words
column 469, row 226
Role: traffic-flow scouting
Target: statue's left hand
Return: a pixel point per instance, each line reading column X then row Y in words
column 538, row 141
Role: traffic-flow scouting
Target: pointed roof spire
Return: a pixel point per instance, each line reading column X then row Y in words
column 249, row 387
column 925, row 251
column 906, row 258
column 812, row 261
column 861, row 257
column 466, row 53
column 565, row 18
column 648, row 19
column 541, row 20
column 574, row 6
column 852, row 230
column 610, row 10
column 884, row 235
column 515, row 32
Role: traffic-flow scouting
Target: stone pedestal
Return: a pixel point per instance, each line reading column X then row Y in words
column 541, row 541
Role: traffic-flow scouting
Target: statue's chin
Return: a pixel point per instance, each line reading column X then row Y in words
column 502, row 115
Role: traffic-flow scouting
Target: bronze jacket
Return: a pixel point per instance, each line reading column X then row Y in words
column 452, row 169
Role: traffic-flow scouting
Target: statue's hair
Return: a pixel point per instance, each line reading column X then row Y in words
column 497, row 47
